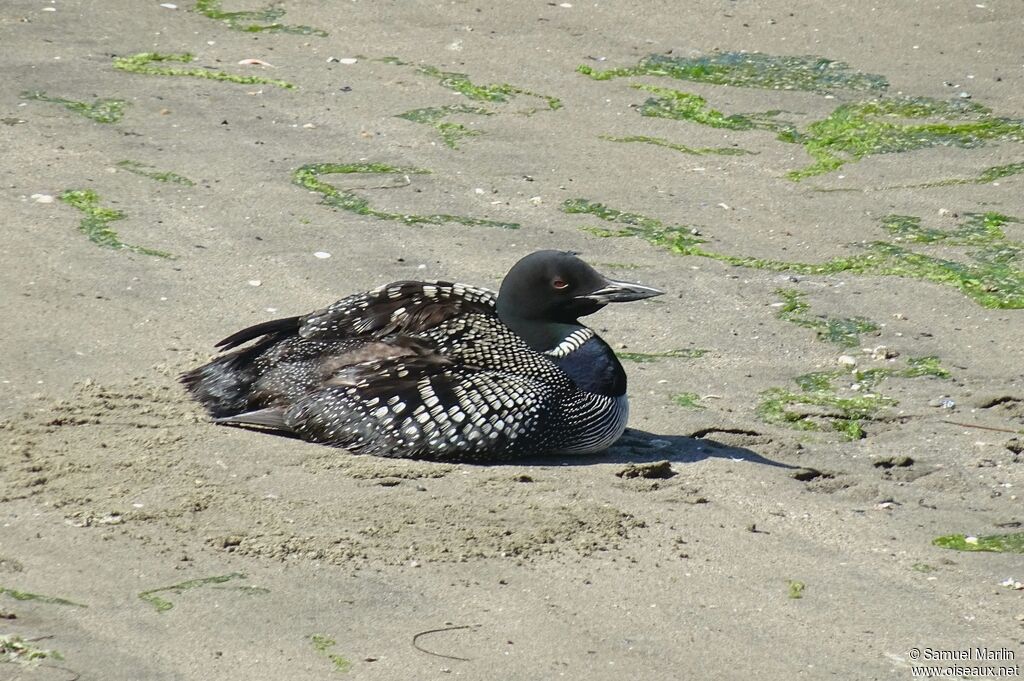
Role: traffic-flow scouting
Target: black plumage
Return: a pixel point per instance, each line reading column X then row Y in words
column 436, row 370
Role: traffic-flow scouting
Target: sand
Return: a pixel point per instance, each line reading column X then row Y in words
column 760, row 550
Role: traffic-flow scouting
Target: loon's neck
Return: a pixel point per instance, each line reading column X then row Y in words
column 542, row 336
column 590, row 363
column 577, row 350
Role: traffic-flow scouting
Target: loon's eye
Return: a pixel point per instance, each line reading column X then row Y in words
column 559, row 284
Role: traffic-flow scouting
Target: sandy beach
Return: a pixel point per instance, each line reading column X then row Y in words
column 830, row 194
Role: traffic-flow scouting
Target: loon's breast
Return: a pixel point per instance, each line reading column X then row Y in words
column 601, row 405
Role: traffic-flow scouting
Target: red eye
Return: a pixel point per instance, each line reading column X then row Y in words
column 559, row 284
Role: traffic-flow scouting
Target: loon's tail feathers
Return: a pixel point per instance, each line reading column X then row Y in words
column 271, row 417
column 224, row 386
column 275, row 327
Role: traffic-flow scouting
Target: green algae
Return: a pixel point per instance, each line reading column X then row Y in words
column 246, row 20
column 816, row 381
column 924, row 366
column 990, row 175
column 818, row 406
column 696, row 151
column 687, row 400
column 495, row 92
column 856, row 130
column 796, row 589
column 648, row 357
column 308, row 176
column 750, row 69
column 143, row 62
column 678, row 238
column 101, row 110
column 39, row 598
column 96, row 223
column 993, row 173
column 844, row 331
column 15, row 649
column 146, row 170
column 322, row 644
column 841, row 414
column 451, row 133
column 998, row 543
column 686, row 106
column 986, row 176
column 977, row 229
column 992, row 276
column 853, row 131
column 163, row 605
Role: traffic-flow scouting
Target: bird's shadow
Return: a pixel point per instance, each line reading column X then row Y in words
column 638, row 446
column 635, row 446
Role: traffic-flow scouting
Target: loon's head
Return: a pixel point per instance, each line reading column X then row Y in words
column 547, row 290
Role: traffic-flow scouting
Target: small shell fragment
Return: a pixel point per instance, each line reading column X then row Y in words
column 323, row 255
column 254, row 62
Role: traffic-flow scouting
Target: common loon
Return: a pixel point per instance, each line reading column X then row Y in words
column 436, row 370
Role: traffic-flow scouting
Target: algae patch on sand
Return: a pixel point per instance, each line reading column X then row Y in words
column 992, row 273
column 998, row 543
column 96, row 223
column 687, row 400
column 247, row 20
column 308, row 176
column 681, row 148
column 853, row 131
column 991, row 175
column 750, row 69
column 648, row 357
column 818, row 405
column 495, row 93
column 146, row 170
column 843, row 331
column 148, row 63
column 322, row 644
column 16, row 650
column 686, row 106
column 856, row 130
column 39, row 598
column 163, row 605
column 101, row 110
column 451, row 133
column 680, row 239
